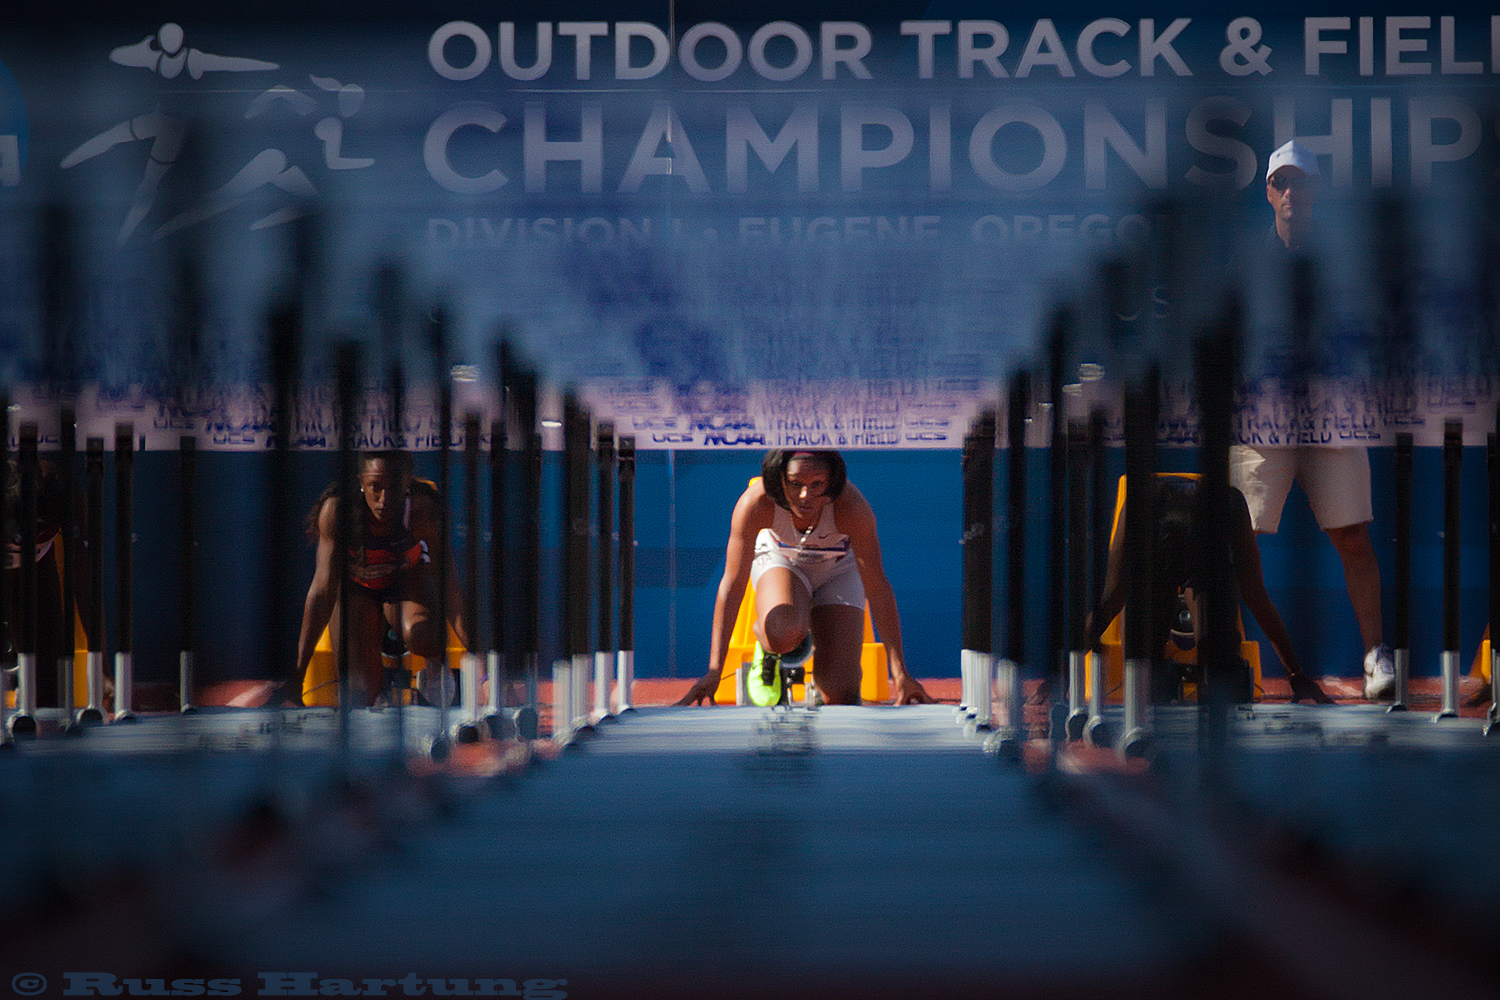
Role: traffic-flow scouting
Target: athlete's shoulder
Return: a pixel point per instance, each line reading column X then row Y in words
column 755, row 508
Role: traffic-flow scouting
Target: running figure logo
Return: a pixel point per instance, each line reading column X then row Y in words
column 165, row 54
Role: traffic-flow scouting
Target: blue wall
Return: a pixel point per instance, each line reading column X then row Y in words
column 680, row 558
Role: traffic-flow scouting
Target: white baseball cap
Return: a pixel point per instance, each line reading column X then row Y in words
column 1293, row 154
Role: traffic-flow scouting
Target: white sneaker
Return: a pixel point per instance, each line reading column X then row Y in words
column 1380, row 673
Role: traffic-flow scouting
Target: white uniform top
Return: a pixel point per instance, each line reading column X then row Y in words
column 824, row 547
column 823, row 560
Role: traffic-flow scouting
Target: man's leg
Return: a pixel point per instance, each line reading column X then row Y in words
column 1362, row 577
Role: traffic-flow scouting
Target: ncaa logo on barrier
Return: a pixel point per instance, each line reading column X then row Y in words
column 15, row 135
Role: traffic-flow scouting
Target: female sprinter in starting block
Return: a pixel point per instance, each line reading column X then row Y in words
column 804, row 537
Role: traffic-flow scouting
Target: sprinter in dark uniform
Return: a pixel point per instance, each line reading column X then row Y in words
column 1177, row 548
column 391, row 564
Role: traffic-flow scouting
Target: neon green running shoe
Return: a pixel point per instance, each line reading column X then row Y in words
column 764, row 680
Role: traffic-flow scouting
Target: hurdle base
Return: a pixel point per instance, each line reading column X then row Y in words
column 22, row 727
column 1006, row 744
column 90, row 717
column 1136, row 744
column 1077, row 722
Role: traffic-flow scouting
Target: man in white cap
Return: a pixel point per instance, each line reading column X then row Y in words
column 1336, row 480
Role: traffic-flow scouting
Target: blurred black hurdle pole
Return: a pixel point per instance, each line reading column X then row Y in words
column 977, row 658
column 23, row 722
column 604, row 648
column 1493, row 440
column 1077, row 577
column 528, row 633
column 1056, row 673
column 8, row 624
column 569, row 674
column 470, row 676
column 93, row 712
column 511, row 620
column 496, row 669
column 1222, row 678
column 1453, row 453
column 124, row 591
column 625, row 661
column 187, row 458
column 348, row 365
column 1401, row 633
column 69, row 531
column 1011, row 736
column 188, row 336
column 437, row 331
column 285, row 328
column 391, row 323
column 1142, row 405
column 1096, row 732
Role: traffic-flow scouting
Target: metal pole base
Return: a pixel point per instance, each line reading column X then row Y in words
column 93, row 714
column 1402, row 660
column 624, row 680
column 562, row 702
column 1450, row 686
column 965, row 685
column 742, row 685
column 1098, row 733
column 124, row 687
column 1136, row 744
column 983, row 669
column 1005, row 743
column 603, row 661
column 185, row 682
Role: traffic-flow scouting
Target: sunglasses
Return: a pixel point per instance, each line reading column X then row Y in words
column 1297, row 182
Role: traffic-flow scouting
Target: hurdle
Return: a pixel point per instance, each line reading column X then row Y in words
column 124, row 546
column 284, row 333
column 1011, row 734
column 1453, row 451
column 93, row 712
column 437, row 333
column 1401, row 631
column 1077, row 577
column 1096, row 731
column 495, row 666
column 348, row 364
column 6, row 740
column 575, row 584
column 1493, row 455
column 187, row 458
column 469, row 674
column 23, row 721
column 1216, row 371
column 1055, row 669
column 977, row 660
column 604, row 649
column 391, row 325
column 1142, row 399
column 625, row 660
column 529, row 634
column 68, row 534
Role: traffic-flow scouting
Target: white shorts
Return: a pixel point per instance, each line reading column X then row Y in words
column 839, row 583
column 1336, row 481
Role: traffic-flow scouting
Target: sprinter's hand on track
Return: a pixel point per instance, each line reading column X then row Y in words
column 701, row 692
column 910, row 692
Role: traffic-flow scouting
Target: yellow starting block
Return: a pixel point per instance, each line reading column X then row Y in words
column 874, row 681
column 1113, row 638
column 320, row 683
